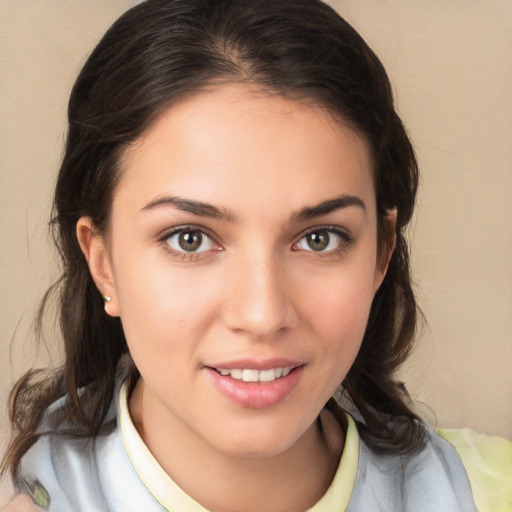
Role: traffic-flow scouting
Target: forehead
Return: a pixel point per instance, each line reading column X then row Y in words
column 237, row 142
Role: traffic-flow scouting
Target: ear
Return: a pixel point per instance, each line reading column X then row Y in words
column 96, row 253
column 386, row 246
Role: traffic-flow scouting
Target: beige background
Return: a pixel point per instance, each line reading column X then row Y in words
column 451, row 66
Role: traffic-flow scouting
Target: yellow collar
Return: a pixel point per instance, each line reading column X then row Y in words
column 173, row 499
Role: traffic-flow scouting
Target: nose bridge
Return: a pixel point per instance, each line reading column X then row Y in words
column 259, row 301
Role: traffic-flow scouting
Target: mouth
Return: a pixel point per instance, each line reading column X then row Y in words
column 252, row 375
column 256, row 385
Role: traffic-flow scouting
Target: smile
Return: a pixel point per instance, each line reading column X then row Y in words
column 255, row 388
column 251, row 375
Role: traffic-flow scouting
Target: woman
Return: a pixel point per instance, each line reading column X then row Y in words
column 230, row 213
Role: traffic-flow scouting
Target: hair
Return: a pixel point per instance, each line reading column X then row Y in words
column 158, row 53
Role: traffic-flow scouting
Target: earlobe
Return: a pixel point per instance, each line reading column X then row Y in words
column 387, row 244
column 95, row 250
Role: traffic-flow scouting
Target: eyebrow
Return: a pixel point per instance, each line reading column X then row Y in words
column 209, row 210
column 329, row 206
column 191, row 206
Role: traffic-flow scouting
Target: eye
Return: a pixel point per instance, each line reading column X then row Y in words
column 187, row 240
column 322, row 240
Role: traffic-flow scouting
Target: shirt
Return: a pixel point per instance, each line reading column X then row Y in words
column 457, row 470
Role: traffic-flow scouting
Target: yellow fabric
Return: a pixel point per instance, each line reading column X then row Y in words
column 488, row 463
column 338, row 495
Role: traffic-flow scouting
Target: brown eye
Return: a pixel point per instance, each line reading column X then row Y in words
column 318, row 240
column 190, row 240
column 322, row 240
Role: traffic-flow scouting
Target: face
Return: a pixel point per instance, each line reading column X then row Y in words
column 241, row 257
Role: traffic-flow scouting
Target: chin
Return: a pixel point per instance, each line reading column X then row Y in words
column 260, row 440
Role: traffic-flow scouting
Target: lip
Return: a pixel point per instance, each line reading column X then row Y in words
column 256, row 395
column 257, row 364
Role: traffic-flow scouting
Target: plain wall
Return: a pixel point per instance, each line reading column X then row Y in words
column 451, row 67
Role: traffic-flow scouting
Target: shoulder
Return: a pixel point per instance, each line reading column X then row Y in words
column 488, row 464
column 455, row 470
column 65, row 472
column 432, row 478
column 61, row 468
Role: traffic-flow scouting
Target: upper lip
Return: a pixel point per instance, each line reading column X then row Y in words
column 257, row 364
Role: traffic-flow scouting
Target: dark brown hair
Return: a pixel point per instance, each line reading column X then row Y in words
column 156, row 54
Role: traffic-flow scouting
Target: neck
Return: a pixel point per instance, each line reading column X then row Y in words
column 293, row 480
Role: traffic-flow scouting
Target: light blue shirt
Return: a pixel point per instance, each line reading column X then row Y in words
column 117, row 473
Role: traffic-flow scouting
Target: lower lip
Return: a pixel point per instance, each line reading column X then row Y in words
column 256, row 395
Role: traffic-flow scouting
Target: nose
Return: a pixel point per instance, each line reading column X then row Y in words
column 259, row 298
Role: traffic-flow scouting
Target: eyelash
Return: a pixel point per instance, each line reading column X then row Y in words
column 346, row 240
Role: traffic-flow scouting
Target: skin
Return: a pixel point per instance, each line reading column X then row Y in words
column 21, row 504
column 256, row 289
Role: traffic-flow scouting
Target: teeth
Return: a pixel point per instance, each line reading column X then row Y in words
column 267, row 375
column 249, row 375
column 236, row 374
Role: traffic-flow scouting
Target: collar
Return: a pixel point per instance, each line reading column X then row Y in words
column 173, row 498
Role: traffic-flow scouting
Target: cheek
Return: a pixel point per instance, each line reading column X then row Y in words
column 337, row 310
column 161, row 304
